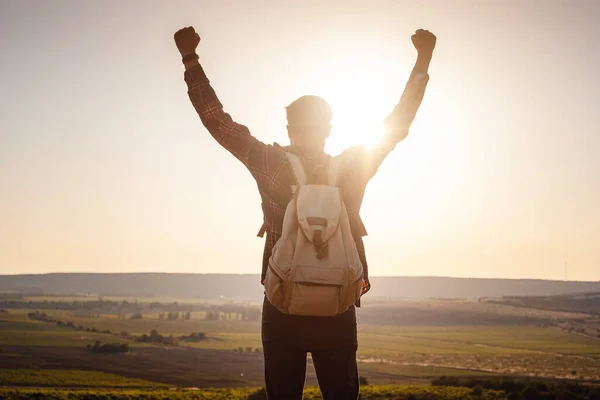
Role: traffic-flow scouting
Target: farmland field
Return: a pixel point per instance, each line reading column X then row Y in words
column 368, row 393
column 400, row 342
column 68, row 378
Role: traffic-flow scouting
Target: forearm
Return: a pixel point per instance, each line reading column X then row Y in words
column 204, row 98
column 202, row 95
column 414, row 91
column 422, row 64
column 398, row 123
column 191, row 63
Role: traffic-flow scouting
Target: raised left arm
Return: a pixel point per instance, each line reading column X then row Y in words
column 230, row 134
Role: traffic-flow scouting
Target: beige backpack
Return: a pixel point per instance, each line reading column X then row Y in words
column 314, row 268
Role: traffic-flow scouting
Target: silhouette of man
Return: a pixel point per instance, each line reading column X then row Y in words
column 287, row 339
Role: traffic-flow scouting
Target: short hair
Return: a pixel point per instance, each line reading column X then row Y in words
column 309, row 110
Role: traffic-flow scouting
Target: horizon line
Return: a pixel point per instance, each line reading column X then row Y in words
column 256, row 274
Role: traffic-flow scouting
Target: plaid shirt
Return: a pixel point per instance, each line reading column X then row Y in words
column 272, row 172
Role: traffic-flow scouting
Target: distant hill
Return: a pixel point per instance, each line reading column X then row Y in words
column 248, row 287
column 579, row 302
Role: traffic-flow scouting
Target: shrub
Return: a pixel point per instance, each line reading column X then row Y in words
column 110, row 348
column 194, row 337
column 530, row 393
column 542, row 387
column 477, row 391
column 446, row 381
column 564, row 394
column 362, row 381
column 156, row 337
column 594, row 394
column 260, row 394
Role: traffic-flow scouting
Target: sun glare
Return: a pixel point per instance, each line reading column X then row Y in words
column 362, row 93
column 360, row 100
column 427, row 168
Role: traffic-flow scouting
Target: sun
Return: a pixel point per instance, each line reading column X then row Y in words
column 430, row 163
column 360, row 99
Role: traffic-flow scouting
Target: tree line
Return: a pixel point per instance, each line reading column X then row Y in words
column 152, row 337
column 93, row 308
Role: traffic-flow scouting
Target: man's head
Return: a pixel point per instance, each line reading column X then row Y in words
column 309, row 122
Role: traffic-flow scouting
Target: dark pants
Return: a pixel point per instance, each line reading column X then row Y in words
column 332, row 342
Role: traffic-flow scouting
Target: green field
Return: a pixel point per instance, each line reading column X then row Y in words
column 111, row 322
column 375, row 340
column 229, row 356
column 160, row 299
column 68, row 378
column 479, row 340
column 367, row 393
column 40, row 334
column 417, row 372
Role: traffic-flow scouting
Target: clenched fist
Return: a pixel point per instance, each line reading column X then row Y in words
column 424, row 42
column 186, row 40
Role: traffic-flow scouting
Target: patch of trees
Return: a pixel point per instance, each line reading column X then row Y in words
column 90, row 306
column 137, row 316
column 94, row 308
column 248, row 349
column 43, row 317
column 109, row 347
column 173, row 316
column 260, row 394
column 244, row 314
column 194, row 337
column 40, row 316
column 155, row 337
column 152, row 337
column 525, row 389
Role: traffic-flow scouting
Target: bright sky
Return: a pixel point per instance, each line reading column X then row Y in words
column 105, row 166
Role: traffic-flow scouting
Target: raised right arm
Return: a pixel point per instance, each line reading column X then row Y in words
column 364, row 163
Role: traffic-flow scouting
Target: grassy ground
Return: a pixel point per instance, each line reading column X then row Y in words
column 383, row 348
column 41, row 334
column 150, row 321
column 416, row 371
column 480, row 340
column 388, row 353
column 68, row 378
column 368, row 393
column 374, row 339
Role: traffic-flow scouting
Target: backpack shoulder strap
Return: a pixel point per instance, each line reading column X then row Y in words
column 297, row 168
column 333, row 171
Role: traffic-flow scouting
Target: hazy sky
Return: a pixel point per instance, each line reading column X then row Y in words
column 105, row 166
